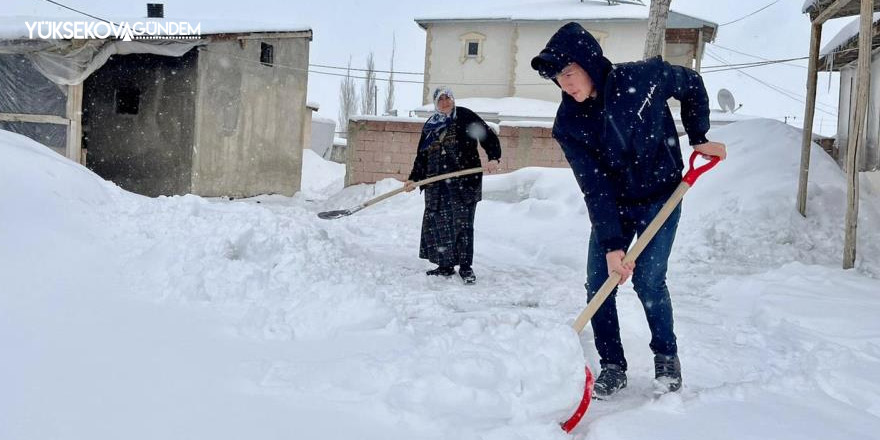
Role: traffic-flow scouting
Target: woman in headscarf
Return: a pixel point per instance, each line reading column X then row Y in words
column 448, row 144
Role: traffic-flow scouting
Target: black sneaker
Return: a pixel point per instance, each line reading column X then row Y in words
column 441, row 271
column 667, row 373
column 611, row 380
column 467, row 275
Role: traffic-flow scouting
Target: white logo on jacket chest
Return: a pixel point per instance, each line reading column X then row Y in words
column 647, row 101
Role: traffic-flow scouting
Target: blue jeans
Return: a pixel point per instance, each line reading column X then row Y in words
column 649, row 282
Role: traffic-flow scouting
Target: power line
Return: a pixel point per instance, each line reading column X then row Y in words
column 781, row 91
column 300, row 69
column 759, row 57
column 325, row 66
column 794, row 95
column 313, row 65
column 735, row 67
column 80, row 12
column 723, row 67
column 749, row 15
column 726, row 66
column 741, row 52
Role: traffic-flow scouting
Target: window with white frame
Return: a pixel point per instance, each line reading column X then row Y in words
column 473, row 48
column 472, row 44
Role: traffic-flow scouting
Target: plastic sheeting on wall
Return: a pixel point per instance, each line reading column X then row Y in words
column 24, row 90
column 71, row 62
column 53, row 136
column 34, row 75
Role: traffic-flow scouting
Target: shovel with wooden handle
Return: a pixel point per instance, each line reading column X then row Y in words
column 593, row 306
column 330, row 215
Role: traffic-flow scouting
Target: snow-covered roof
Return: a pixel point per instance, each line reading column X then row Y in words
column 560, row 10
column 15, row 27
column 845, row 36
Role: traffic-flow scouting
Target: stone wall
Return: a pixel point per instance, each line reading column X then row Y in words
column 381, row 147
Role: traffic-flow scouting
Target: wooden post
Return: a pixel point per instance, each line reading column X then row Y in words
column 698, row 52
column 809, row 113
column 855, row 141
column 74, row 128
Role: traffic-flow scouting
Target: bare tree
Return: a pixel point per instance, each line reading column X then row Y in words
column 389, row 92
column 368, row 94
column 348, row 99
column 656, row 38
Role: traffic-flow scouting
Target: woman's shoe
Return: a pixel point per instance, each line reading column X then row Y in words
column 441, row 271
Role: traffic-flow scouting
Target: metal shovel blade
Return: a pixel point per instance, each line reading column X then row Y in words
column 330, row 215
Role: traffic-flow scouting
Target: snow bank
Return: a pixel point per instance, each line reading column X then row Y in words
column 744, row 209
column 321, row 178
column 184, row 317
column 262, row 271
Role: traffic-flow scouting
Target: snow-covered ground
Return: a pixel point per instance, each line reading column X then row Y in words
column 187, row 318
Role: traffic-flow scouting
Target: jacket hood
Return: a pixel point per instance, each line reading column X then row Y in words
column 573, row 43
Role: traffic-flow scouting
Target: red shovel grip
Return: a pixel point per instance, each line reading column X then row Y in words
column 694, row 173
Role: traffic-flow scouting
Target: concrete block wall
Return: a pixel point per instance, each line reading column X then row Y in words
column 382, row 147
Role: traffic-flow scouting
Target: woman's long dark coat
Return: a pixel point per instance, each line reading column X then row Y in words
column 447, row 226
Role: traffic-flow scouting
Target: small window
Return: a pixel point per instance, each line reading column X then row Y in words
column 267, row 54
column 128, row 100
column 473, row 48
column 155, row 10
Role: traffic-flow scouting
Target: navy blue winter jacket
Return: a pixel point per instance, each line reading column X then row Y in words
column 623, row 146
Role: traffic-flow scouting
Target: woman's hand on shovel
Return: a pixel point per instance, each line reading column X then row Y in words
column 614, row 259
column 409, row 186
column 492, row 166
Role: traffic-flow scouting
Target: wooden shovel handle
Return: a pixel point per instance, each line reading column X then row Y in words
column 689, row 179
column 397, row 191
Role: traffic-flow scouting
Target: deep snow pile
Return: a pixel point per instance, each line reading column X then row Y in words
column 183, row 317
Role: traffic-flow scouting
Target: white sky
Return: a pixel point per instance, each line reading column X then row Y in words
column 353, row 28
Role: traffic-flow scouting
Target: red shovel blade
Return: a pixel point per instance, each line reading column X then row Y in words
column 585, row 403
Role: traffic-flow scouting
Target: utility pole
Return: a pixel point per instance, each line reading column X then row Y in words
column 656, row 37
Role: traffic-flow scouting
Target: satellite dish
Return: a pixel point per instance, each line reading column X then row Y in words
column 726, row 101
